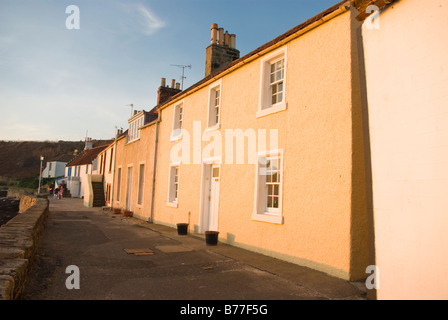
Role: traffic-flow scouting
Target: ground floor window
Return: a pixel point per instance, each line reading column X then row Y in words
column 141, row 182
column 268, row 187
column 173, row 187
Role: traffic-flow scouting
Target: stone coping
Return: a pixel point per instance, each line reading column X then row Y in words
column 19, row 239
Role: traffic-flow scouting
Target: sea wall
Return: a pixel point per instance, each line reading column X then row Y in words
column 19, row 239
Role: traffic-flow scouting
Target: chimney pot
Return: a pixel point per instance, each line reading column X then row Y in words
column 163, row 82
column 177, row 85
column 221, row 36
column 173, row 83
column 214, row 38
column 227, row 39
column 233, row 41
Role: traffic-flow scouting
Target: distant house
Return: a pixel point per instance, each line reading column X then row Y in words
column 77, row 170
column 56, row 166
column 104, row 174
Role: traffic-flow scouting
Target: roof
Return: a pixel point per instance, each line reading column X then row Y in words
column 362, row 5
column 86, row 156
column 62, row 158
column 260, row 49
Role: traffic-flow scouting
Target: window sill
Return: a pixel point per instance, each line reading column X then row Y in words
column 172, row 204
column 267, row 217
column 213, row 128
column 175, row 138
column 132, row 141
column 270, row 110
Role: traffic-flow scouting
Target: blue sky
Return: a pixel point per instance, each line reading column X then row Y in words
column 59, row 84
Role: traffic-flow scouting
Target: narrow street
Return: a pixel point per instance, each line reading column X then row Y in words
column 127, row 259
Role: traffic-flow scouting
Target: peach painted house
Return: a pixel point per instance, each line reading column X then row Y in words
column 267, row 149
column 325, row 147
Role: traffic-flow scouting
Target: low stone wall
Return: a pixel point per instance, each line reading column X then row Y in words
column 26, row 202
column 15, row 192
column 19, row 239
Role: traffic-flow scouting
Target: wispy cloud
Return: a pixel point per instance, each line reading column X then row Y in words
column 150, row 23
column 139, row 18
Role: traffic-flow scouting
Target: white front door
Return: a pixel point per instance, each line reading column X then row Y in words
column 214, row 198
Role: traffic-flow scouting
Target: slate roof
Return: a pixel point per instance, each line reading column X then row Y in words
column 62, row 158
column 86, row 156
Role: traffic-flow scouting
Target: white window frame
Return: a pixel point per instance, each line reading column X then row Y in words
column 178, row 121
column 129, row 189
column 134, row 129
column 141, row 185
column 119, row 177
column 173, row 201
column 212, row 124
column 261, row 212
column 265, row 106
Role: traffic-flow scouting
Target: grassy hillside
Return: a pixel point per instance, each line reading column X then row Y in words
column 21, row 159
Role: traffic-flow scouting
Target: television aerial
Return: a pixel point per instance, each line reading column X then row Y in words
column 183, row 72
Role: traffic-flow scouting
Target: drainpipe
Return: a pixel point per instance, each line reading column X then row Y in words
column 151, row 219
column 113, row 172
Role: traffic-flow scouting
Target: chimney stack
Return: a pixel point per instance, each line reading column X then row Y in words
column 89, row 144
column 221, row 51
column 165, row 93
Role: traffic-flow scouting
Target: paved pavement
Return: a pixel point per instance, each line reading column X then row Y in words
column 171, row 267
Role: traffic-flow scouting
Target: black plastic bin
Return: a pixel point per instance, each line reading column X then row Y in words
column 182, row 229
column 211, row 238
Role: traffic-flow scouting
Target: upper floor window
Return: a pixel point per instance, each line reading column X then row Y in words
column 214, row 108
column 276, row 81
column 134, row 128
column 111, row 159
column 272, row 83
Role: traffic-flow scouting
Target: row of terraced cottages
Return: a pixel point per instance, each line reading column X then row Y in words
column 288, row 151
